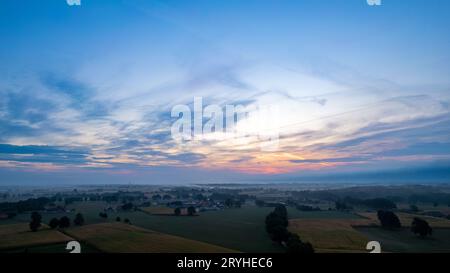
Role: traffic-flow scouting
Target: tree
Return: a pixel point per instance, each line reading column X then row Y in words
column 191, row 211
column 127, row 221
column 177, row 211
column 35, row 222
column 64, row 222
column 118, row 219
column 276, row 224
column 79, row 219
column 54, row 223
column 281, row 211
column 388, row 219
column 103, row 215
column 421, row 227
column 295, row 245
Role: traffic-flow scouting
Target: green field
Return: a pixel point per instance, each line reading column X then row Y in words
column 404, row 241
column 242, row 229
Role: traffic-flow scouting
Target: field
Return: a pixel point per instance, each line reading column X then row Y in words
column 330, row 235
column 123, row 238
column 19, row 236
column 241, row 229
column 352, row 235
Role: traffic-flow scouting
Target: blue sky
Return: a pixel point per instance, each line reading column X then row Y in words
column 87, row 91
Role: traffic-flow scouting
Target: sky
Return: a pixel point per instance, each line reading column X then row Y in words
column 87, row 92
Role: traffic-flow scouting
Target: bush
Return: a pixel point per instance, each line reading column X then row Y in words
column 64, row 222
column 388, row 219
column 54, row 223
column 421, row 227
column 79, row 219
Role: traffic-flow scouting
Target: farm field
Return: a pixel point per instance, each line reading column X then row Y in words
column 404, row 241
column 330, row 235
column 241, row 229
column 19, row 235
column 123, row 238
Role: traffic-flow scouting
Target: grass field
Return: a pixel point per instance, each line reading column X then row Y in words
column 123, row 238
column 330, row 235
column 19, row 235
column 241, row 229
column 404, row 240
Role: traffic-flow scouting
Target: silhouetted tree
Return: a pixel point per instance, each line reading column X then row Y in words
column 191, row 211
column 388, row 219
column 421, row 227
column 103, row 215
column 35, row 222
column 64, row 222
column 281, row 211
column 127, row 221
column 79, row 219
column 276, row 223
column 118, row 219
column 295, row 245
column 177, row 211
column 54, row 223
